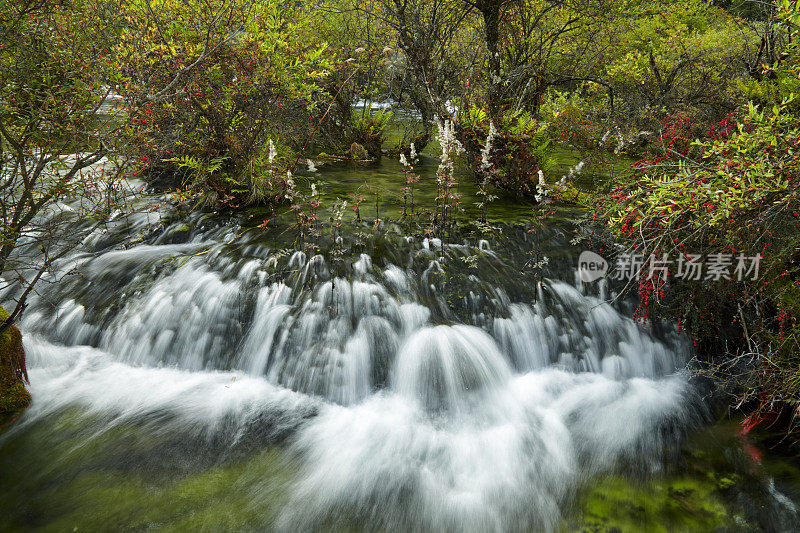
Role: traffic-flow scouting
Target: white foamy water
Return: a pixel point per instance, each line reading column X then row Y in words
column 512, row 464
column 407, row 404
column 162, row 399
column 456, row 441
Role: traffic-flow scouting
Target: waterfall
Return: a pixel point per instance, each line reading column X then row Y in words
column 442, row 366
column 431, row 385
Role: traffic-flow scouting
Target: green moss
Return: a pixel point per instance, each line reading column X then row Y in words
column 13, row 396
column 71, row 472
column 240, row 497
column 671, row 504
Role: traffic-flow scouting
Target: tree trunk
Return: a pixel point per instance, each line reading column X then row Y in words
column 491, row 21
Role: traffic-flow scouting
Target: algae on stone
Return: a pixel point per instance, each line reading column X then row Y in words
column 680, row 503
column 13, row 395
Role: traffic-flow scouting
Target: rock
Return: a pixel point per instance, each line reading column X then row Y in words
column 358, row 152
column 637, row 141
column 14, row 398
column 179, row 235
column 642, row 139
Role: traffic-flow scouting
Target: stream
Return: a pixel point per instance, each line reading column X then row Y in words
column 193, row 372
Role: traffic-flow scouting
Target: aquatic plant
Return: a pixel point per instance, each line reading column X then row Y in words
column 447, row 196
column 410, row 179
column 487, row 171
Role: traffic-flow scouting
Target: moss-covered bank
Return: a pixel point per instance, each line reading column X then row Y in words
column 13, row 395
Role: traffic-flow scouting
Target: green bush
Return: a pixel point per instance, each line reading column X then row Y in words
column 734, row 192
column 214, row 100
column 521, row 148
column 367, row 128
column 578, row 117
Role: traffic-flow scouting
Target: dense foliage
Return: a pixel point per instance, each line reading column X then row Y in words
column 216, row 86
column 729, row 193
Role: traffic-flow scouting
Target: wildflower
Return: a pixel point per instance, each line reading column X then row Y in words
column 445, row 178
column 486, row 162
column 290, row 191
column 620, row 144
column 311, row 166
column 339, row 209
column 576, row 169
column 541, row 188
column 273, row 153
column 414, row 158
column 403, row 160
column 313, row 190
column 447, row 140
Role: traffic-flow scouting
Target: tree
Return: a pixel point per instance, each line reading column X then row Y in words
column 55, row 73
column 463, row 57
column 683, row 55
column 215, row 85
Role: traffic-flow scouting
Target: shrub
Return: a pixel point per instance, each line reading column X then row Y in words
column 521, row 148
column 215, row 97
column 367, row 128
column 577, row 117
column 734, row 192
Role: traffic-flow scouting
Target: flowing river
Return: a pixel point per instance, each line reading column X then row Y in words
column 192, row 372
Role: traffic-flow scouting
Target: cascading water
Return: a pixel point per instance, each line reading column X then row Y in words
column 414, row 384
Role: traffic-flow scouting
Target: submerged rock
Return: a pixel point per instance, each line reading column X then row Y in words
column 682, row 503
column 14, row 398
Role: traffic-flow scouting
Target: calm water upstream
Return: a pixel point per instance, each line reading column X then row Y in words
column 194, row 373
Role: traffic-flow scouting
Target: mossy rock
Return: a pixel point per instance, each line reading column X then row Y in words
column 179, row 235
column 13, row 395
column 245, row 494
column 358, row 152
column 671, row 504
